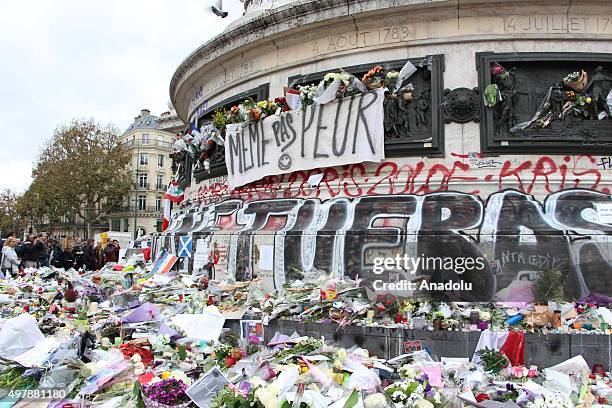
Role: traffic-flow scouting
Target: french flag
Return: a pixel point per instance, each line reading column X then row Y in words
column 164, row 262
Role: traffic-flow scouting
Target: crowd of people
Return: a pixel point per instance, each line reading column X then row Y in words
column 67, row 252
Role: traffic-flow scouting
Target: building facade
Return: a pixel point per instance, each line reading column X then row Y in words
column 150, row 145
column 491, row 154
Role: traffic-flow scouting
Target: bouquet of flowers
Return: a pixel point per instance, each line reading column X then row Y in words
column 576, row 80
column 233, row 396
column 281, row 102
column 170, row 392
column 414, row 393
column 492, row 359
column 343, row 77
column 374, row 78
column 550, row 401
column 267, row 108
column 391, row 79
column 307, row 94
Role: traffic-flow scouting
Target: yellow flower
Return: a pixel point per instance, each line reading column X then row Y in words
column 330, row 294
column 262, row 104
column 588, row 100
column 165, row 375
column 342, row 355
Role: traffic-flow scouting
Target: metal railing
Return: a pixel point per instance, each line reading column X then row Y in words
column 150, row 143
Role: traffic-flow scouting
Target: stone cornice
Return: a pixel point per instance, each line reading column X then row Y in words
column 263, row 27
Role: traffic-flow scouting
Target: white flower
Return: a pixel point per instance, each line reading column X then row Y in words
column 408, row 372
column 424, row 404
column 398, row 396
column 180, row 375
column 376, row 400
column 485, row 316
column 136, row 358
column 266, row 397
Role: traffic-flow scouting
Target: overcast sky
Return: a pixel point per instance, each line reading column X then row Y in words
column 65, row 59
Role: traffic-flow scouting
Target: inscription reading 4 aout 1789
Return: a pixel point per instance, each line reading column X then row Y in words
column 358, row 39
column 558, row 24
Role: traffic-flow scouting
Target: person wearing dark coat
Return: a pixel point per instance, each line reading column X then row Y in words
column 31, row 251
column 89, row 256
column 66, row 258
column 43, row 255
column 55, row 254
column 110, row 253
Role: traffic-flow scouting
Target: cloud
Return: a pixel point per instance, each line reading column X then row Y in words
column 67, row 59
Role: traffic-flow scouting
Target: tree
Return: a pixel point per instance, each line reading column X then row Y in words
column 81, row 171
column 11, row 219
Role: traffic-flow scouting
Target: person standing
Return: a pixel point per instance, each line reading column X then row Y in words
column 98, row 251
column 43, row 256
column 111, row 253
column 10, row 261
column 55, row 254
column 30, row 251
column 89, row 255
column 67, row 257
column 78, row 254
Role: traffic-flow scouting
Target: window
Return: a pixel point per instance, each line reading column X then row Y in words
column 116, row 224
column 159, row 224
column 160, row 182
column 160, row 160
column 144, row 159
column 145, row 138
column 126, row 225
column 142, row 202
column 143, row 180
column 158, row 204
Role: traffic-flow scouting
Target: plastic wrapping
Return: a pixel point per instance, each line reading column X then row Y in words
column 19, row 335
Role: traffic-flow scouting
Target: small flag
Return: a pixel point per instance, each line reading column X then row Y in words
column 164, row 262
column 174, row 192
column 185, row 243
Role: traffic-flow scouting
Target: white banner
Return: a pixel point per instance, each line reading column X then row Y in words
column 344, row 131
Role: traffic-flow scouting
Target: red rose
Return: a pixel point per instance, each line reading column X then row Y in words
column 229, row 362
column 482, row 397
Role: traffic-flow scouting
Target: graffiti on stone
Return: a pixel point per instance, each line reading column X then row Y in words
column 516, row 235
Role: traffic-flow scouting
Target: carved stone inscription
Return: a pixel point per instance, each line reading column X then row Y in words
column 558, row 23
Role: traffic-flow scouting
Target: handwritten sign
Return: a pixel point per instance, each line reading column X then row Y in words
column 344, row 131
column 604, row 212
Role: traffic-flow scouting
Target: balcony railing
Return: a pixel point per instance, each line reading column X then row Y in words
column 139, row 210
column 129, row 144
column 142, row 186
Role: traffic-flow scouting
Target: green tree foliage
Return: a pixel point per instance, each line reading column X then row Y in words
column 81, row 171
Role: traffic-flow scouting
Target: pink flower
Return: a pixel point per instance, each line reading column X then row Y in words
column 497, row 69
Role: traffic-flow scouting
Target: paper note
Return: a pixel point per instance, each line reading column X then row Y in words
column 206, row 326
column 266, row 257
column 203, row 390
column 604, row 212
column 200, row 257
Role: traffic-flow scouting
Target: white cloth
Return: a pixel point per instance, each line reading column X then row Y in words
column 492, row 340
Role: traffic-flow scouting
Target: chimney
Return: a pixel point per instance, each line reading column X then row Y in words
column 144, row 113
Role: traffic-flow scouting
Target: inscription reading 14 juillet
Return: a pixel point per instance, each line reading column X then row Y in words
column 558, row 24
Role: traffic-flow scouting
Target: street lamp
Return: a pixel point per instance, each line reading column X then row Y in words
column 137, row 188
